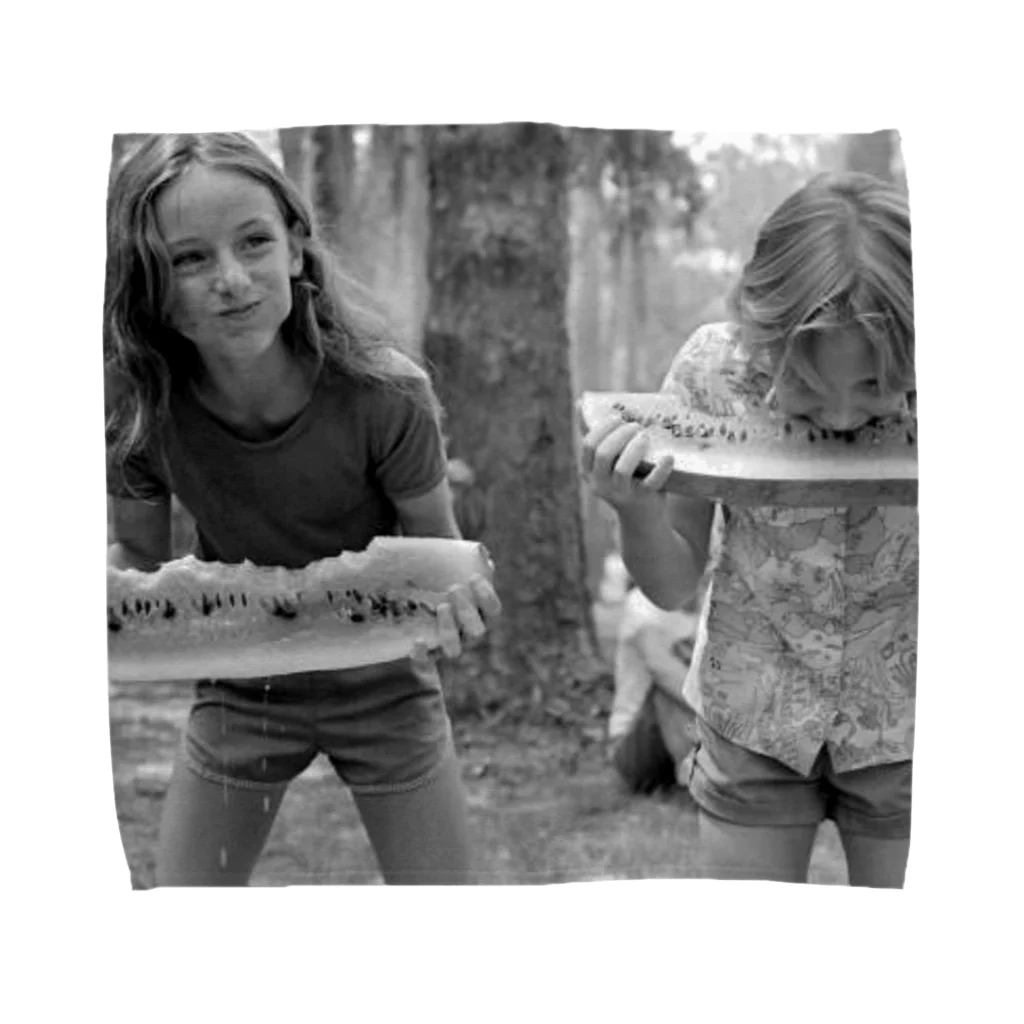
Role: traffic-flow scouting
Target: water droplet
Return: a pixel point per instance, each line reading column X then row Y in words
column 223, row 858
column 266, row 805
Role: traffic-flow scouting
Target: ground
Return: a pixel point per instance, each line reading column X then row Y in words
column 544, row 804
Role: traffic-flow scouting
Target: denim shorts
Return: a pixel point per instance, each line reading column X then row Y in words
column 737, row 785
column 383, row 728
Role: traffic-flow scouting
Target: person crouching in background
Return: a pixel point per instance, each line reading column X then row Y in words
column 651, row 728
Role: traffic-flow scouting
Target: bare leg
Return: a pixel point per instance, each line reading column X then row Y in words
column 776, row 853
column 875, row 862
column 212, row 834
column 421, row 837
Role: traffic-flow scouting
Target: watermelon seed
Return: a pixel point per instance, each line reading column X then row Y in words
column 169, row 610
column 113, row 622
column 358, row 617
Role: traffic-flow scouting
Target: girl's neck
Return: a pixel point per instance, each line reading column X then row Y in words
column 257, row 395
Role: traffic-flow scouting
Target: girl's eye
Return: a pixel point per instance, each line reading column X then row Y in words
column 258, row 241
column 186, row 259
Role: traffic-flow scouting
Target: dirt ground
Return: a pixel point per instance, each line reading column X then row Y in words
column 545, row 806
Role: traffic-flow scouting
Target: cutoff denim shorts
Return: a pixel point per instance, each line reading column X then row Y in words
column 739, row 786
column 384, row 728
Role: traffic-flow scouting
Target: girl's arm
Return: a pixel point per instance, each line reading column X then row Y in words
column 665, row 547
column 142, row 534
column 429, row 515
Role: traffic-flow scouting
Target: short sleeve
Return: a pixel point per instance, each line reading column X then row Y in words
column 709, row 372
column 406, row 443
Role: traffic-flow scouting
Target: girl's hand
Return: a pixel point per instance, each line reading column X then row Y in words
column 461, row 618
column 612, row 451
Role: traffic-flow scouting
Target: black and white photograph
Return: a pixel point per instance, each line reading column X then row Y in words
column 517, row 460
column 510, row 504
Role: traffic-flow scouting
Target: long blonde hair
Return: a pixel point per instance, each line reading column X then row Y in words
column 333, row 319
column 834, row 254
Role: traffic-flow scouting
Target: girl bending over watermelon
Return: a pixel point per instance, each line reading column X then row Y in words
column 246, row 379
column 804, row 668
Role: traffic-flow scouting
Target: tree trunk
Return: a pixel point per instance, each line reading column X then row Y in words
column 871, row 153
column 497, row 342
column 413, row 203
column 297, row 156
column 638, row 341
column 587, row 265
column 623, row 309
column 584, row 321
column 335, row 192
column 394, row 207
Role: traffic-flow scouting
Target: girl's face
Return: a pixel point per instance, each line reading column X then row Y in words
column 232, row 261
column 851, row 396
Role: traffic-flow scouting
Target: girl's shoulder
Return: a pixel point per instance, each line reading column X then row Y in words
column 397, row 394
column 715, row 373
column 710, row 349
column 401, row 364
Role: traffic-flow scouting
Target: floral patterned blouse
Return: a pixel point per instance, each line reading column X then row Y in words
column 808, row 635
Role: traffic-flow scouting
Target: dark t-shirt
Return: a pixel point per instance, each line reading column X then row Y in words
column 326, row 484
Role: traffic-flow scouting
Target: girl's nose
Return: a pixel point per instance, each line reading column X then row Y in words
column 840, row 416
column 231, row 277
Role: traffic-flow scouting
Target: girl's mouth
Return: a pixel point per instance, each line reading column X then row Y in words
column 846, row 433
column 239, row 312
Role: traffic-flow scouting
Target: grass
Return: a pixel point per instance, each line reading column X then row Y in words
column 545, row 807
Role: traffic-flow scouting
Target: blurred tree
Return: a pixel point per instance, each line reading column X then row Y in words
column 497, row 343
column 334, row 190
column 637, row 191
column 393, row 199
column 296, row 145
column 634, row 195
column 872, row 153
